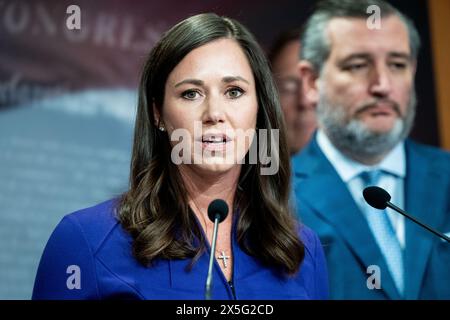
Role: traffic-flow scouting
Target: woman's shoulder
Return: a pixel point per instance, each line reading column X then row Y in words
column 101, row 213
column 67, row 269
column 94, row 223
column 314, row 267
column 309, row 238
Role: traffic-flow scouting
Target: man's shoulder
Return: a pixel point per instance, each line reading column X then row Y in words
column 307, row 158
column 430, row 154
column 426, row 149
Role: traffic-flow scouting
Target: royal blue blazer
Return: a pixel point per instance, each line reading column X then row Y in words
column 89, row 256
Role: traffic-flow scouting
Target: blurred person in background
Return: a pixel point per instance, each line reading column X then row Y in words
column 299, row 114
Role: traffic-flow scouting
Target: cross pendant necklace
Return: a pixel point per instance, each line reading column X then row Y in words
column 224, row 258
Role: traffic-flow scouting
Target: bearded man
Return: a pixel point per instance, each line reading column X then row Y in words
column 362, row 79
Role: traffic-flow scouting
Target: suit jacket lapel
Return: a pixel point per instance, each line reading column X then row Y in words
column 320, row 187
column 423, row 201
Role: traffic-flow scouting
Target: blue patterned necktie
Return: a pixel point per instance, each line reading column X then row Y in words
column 384, row 233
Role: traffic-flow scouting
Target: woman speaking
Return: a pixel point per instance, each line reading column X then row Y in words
column 207, row 114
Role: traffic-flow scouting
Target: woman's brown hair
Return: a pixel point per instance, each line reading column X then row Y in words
column 155, row 209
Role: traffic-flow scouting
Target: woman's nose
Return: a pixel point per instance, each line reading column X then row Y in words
column 214, row 111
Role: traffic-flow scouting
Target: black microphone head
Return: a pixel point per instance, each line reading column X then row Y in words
column 376, row 197
column 219, row 207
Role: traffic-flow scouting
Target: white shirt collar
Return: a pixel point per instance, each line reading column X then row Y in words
column 394, row 162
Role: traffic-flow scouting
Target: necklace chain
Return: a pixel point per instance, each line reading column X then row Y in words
column 220, row 253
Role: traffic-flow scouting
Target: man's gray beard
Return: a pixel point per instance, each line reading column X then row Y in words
column 354, row 139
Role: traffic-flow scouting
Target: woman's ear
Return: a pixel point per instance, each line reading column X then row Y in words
column 309, row 79
column 157, row 116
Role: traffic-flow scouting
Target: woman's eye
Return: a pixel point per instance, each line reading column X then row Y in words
column 235, row 93
column 190, row 94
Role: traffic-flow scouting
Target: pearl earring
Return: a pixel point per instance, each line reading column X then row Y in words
column 160, row 125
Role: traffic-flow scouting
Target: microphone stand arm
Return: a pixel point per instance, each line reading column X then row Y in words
column 394, row 207
column 211, row 259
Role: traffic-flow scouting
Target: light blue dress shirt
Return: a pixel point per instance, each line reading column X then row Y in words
column 392, row 180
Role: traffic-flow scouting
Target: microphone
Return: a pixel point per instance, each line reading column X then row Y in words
column 380, row 199
column 217, row 212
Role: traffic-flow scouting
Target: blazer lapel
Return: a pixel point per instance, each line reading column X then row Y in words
column 424, row 202
column 320, row 187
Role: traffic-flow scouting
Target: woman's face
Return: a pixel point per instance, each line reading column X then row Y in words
column 211, row 96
